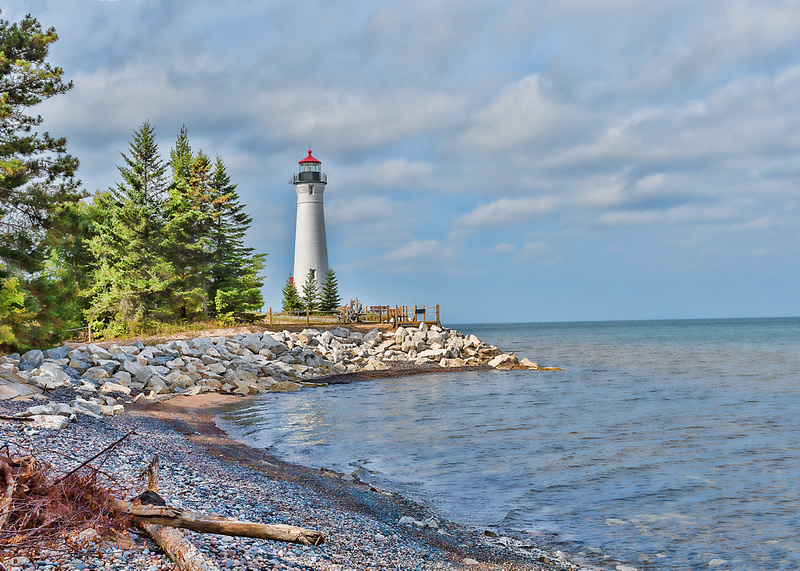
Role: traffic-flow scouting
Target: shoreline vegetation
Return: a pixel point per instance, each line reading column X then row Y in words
column 166, row 396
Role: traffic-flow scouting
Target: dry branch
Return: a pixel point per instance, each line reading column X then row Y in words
column 203, row 523
column 8, row 480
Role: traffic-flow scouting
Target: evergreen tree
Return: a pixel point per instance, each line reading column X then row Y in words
column 234, row 269
column 131, row 279
column 37, row 183
column 291, row 299
column 12, row 308
column 330, row 300
column 189, row 220
column 310, row 297
column 36, row 173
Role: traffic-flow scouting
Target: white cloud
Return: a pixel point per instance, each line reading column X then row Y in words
column 507, row 211
column 520, row 114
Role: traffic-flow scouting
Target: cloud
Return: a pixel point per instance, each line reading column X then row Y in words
column 507, row 211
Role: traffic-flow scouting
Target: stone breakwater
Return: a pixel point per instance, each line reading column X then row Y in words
column 105, row 378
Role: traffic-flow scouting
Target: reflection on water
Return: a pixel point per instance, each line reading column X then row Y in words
column 666, row 444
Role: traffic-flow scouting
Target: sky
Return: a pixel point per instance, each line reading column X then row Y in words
column 550, row 160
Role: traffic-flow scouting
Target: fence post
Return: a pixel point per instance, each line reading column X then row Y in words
column 424, row 314
column 307, row 317
column 438, row 321
column 270, row 317
column 90, row 332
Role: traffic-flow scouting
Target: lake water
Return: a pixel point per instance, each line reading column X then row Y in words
column 660, row 444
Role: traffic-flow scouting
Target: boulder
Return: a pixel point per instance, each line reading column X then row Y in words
column 87, row 407
column 57, row 352
column 51, row 376
column 109, row 387
column 98, row 352
column 33, row 356
column 504, row 362
column 52, row 422
column 96, row 374
column 528, row 364
column 375, row 365
column 12, row 386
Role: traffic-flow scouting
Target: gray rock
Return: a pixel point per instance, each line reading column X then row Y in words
column 57, row 352
column 34, row 356
column 87, row 407
column 98, row 352
column 26, row 365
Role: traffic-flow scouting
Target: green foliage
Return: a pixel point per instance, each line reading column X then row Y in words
column 232, row 265
column 40, row 211
column 131, row 277
column 36, row 173
column 12, row 309
column 291, row 298
column 226, row 319
column 310, row 296
column 329, row 299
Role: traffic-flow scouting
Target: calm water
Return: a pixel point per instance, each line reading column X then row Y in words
column 661, row 444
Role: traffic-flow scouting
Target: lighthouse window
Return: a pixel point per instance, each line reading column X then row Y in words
column 310, row 189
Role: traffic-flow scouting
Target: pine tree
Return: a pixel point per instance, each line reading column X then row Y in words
column 188, row 227
column 330, row 300
column 234, row 269
column 36, row 173
column 310, row 297
column 291, row 299
column 37, row 183
column 131, row 280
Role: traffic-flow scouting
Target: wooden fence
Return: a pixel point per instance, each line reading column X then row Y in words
column 397, row 315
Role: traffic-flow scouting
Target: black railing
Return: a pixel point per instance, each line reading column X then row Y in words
column 309, row 177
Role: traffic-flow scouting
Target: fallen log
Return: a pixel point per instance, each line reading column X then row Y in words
column 202, row 523
column 171, row 540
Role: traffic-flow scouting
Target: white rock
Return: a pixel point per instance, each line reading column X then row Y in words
column 51, row 376
column 406, row 520
column 109, row 387
column 53, row 422
column 87, row 407
column 504, row 362
column 468, row 561
column 98, row 352
column 96, row 374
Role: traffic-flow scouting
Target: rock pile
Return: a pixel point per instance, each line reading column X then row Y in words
column 243, row 364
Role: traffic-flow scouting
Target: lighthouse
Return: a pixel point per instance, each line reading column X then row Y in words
column 310, row 245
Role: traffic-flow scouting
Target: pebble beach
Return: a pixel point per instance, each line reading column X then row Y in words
column 203, row 470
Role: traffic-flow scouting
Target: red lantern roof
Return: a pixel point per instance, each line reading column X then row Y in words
column 309, row 159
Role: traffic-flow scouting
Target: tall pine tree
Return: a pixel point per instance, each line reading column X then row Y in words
column 189, row 220
column 37, row 180
column 234, row 268
column 131, row 280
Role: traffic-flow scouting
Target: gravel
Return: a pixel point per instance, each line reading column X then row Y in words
column 202, row 470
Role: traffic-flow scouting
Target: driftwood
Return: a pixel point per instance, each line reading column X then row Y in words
column 171, row 540
column 202, row 523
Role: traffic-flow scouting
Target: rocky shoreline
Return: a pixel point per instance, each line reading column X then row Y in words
column 206, row 471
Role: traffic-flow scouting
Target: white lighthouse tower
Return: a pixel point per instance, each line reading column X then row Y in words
column 310, row 245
